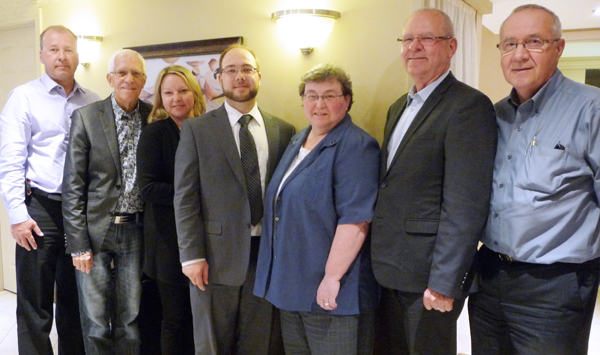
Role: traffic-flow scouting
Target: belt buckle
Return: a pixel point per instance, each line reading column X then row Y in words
column 121, row 219
column 505, row 258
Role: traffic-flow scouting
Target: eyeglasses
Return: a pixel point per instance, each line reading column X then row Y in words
column 248, row 70
column 123, row 73
column 326, row 98
column 531, row 44
column 426, row 40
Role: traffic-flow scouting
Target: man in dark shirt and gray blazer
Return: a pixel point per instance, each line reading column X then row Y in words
column 102, row 209
column 435, row 184
column 224, row 161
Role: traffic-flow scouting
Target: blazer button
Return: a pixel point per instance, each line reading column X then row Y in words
column 118, row 187
column 383, row 185
column 276, row 219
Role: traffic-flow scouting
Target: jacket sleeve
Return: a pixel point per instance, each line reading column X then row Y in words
column 469, row 151
column 75, row 187
column 187, row 200
column 152, row 169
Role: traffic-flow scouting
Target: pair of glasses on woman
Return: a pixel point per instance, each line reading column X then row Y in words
column 326, row 98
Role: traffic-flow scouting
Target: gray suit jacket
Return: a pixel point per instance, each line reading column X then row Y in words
column 212, row 211
column 434, row 199
column 92, row 175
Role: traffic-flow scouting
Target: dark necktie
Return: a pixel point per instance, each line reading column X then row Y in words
column 251, row 171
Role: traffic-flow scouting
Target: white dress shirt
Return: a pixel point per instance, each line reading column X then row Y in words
column 34, row 133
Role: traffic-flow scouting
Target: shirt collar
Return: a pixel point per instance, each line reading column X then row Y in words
column 50, row 84
column 424, row 94
column 234, row 115
column 538, row 99
column 119, row 112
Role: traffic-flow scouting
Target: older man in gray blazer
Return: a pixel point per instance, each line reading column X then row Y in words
column 102, row 207
column 223, row 164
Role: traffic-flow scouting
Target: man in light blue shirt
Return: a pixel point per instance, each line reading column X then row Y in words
column 34, row 128
column 539, row 265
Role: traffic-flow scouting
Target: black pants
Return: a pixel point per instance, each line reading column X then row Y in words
column 524, row 308
column 37, row 272
column 405, row 326
column 177, row 329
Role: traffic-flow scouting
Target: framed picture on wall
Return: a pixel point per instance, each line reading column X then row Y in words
column 200, row 57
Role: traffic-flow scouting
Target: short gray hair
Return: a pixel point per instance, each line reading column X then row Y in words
column 124, row 52
column 556, row 26
column 447, row 25
column 324, row 72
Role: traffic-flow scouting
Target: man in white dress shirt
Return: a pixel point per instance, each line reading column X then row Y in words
column 34, row 129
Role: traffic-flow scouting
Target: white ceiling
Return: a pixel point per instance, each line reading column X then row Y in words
column 573, row 14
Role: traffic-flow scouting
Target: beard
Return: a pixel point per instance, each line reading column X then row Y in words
column 241, row 98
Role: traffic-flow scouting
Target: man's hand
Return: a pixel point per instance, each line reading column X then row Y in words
column 84, row 262
column 327, row 293
column 197, row 273
column 437, row 301
column 22, row 233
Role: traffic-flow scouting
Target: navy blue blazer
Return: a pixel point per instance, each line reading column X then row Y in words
column 336, row 183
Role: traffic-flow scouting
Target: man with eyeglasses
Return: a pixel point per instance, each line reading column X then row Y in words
column 435, row 183
column 539, row 263
column 223, row 164
column 34, row 127
column 102, row 209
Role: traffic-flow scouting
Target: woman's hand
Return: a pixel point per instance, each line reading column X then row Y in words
column 327, row 293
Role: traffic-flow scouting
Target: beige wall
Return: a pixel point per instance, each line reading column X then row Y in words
column 363, row 42
column 491, row 79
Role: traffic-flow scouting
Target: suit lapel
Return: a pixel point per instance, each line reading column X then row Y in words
column 387, row 133
column 432, row 101
column 224, row 137
column 107, row 119
column 331, row 139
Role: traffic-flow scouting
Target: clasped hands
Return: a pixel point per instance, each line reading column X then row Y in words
column 437, row 301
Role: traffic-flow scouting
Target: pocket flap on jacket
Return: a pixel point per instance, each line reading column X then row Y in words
column 212, row 227
column 421, row 226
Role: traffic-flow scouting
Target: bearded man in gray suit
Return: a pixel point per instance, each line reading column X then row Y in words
column 224, row 161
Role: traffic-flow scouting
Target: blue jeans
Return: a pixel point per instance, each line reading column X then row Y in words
column 109, row 301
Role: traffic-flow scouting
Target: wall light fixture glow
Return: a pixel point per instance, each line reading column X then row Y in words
column 88, row 48
column 305, row 28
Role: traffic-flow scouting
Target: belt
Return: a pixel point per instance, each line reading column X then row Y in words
column 503, row 257
column 50, row 196
column 122, row 218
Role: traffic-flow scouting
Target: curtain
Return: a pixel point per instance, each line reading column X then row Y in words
column 465, row 65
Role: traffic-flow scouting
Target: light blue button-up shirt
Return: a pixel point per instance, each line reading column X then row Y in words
column 546, row 185
column 34, row 129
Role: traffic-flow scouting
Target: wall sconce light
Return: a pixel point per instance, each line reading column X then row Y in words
column 305, row 28
column 88, row 48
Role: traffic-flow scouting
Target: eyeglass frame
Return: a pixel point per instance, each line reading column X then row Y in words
column 123, row 73
column 435, row 39
column 524, row 44
column 325, row 98
column 231, row 70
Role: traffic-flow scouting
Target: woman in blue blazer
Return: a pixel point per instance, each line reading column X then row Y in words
column 313, row 261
